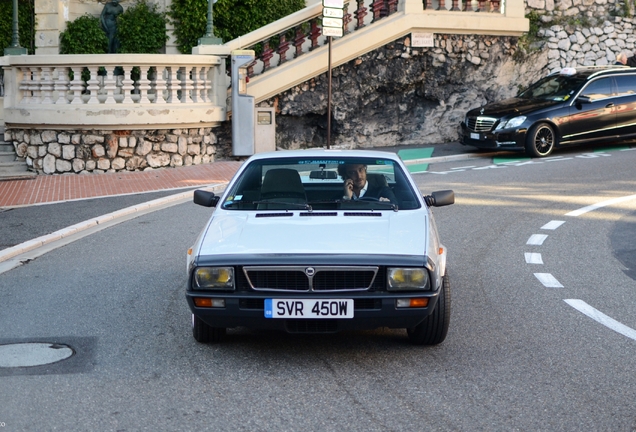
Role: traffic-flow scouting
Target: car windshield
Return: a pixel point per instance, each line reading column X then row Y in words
column 315, row 184
column 554, row 87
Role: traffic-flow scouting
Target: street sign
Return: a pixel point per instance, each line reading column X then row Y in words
column 332, row 12
column 332, row 31
column 333, row 3
column 331, row 22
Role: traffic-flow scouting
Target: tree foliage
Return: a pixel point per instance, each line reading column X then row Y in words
column 84, row 35
column 26, row 24
column 231, row 19
column 142, row 29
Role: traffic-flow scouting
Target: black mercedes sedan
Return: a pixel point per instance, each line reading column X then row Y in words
column 593, row 104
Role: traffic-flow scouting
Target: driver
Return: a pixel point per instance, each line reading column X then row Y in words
column 356, row 186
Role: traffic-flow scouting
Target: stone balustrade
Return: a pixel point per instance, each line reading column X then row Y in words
column 124, row 91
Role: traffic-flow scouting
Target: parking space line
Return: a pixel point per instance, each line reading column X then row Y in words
column 601, row 318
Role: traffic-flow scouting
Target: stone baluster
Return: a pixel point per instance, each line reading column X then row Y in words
column 186, row 85
column 299, row 40
column 196, row 85
column 314, row 34
column 110, row 85
column 204, row 72
column 93, row 85
column 143, row 84
column 495, row 6
column 173, row 85
column 23, row 84
column 441, row 5
column 429, row 5
column 481, row 7
column 346, row 19
column 34, row 85
column 77, row 85
column 128, row 85
column 62, row 85
column 467, row 5
column 160, row 84
column 283, row 47
column 455, row 5
column 392, row 6
column 46, row 85
column 377, row 7
column 266, row 55
column 360, row 13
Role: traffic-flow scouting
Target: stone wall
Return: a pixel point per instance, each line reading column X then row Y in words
column 56, row 152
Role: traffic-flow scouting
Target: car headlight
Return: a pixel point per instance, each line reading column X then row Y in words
column 407, row 279
column 512, row 123
column 214, row 278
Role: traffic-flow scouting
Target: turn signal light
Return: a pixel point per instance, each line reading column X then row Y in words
column 209, row 302
column 412, row 303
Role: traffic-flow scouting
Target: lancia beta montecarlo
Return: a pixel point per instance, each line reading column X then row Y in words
column 318, row 241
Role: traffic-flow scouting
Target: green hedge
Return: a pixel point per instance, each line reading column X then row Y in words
column 232, row 18
column 84, row 35
column 26, row 24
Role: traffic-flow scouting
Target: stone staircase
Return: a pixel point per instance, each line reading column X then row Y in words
column 11, row 166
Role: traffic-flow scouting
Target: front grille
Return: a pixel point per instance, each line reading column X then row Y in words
column 480, row 124
column 308, row 278
column 311, row 326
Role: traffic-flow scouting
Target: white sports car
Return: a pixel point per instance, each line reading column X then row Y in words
column 318, row 241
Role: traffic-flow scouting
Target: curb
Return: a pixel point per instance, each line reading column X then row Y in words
column 38, row 242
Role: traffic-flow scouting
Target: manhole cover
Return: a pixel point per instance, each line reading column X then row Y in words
column 33, row 354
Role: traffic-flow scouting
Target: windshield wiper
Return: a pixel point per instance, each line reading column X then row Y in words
column 389, row 204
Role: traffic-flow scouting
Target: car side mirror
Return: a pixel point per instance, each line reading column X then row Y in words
column 205, row 198
column 584, row 99
column 440, row 198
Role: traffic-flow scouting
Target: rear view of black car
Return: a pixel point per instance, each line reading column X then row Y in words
column 571, row 107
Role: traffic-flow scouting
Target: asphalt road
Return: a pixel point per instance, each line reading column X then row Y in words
column 519, row 355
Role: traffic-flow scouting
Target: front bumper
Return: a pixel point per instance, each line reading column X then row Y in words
column 513, row 140
column 371, row 310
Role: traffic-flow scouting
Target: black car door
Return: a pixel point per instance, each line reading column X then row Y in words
column 626, row 105
column 592, row 115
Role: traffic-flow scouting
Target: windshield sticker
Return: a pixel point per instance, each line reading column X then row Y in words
column 314, row 162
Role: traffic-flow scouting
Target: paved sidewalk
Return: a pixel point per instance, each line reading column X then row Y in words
column 68, row 187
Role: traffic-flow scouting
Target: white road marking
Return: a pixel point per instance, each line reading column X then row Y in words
column 552, row 225
column 548, row 280
column 558, row 159
column 596, row 206
column 601, row 318
column 536, row 239
column 533, row 258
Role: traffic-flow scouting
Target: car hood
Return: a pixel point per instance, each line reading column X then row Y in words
column 512, row 107
column 398, row 233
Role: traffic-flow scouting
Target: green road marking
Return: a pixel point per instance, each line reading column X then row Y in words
column 418, row 168
column 608, row 149
column 410, row 154
column 507, row 159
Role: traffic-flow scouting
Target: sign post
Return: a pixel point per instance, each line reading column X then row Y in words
column 332, row 26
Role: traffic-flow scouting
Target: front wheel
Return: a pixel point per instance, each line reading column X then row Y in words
column 203, row 333
column 433, row 329
column 541, row 140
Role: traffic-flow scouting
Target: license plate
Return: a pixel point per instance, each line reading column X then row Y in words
column 474, row 136
column 302, row 308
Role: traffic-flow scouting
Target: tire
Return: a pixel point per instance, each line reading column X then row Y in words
column 433, row 329
column 203, row 333
column 541, row 140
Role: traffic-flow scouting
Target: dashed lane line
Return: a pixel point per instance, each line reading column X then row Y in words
column 548, row 280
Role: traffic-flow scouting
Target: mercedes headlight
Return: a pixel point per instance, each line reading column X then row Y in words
column 408, row 279
column 512, row 123
column 214, row 278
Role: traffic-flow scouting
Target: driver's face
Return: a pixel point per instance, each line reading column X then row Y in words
column 357, row 173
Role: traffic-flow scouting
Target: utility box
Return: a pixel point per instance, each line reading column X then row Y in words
column 243, row 124
column 265, row 133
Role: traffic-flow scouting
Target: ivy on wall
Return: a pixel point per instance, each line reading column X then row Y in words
column 26, row 24
column 232, row 18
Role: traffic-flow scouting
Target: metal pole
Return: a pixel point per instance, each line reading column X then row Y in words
column 329, row 99
column 15, row 48
column 209, row 38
